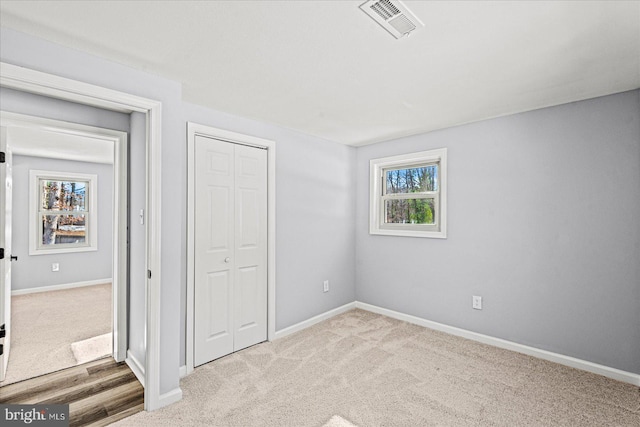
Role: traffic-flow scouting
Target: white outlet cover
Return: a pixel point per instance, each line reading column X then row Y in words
column 477, row 302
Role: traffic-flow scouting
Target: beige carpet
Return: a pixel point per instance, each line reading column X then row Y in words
column 375, row 371
column 45, row 324
column 92, row 348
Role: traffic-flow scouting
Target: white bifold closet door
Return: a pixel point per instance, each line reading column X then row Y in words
column 230, row 310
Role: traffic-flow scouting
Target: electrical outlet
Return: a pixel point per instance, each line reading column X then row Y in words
column 55, row 266
column 326, row 286
column 477, row 302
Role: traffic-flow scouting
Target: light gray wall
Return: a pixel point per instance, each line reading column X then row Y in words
column 34, row 271
column 543, row 211
column 315, row 229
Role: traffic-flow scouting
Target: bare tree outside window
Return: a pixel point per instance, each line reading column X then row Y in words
column 408, row 194
column 63, row 211
column 417, row 210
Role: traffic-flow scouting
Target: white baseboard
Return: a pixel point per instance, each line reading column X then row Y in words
column 182, row 371
column 169, row 397
column 136, row 366
column 616, row 374
column 60, row 287
column 316, row 319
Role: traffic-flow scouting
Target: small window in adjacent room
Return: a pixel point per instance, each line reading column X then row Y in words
column 408, row 195
column 64, row 212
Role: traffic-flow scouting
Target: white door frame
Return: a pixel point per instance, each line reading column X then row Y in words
column 194, row 129
column 27, row 80
column 119, row 214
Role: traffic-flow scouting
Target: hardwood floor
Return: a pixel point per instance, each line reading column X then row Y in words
column 98, row 393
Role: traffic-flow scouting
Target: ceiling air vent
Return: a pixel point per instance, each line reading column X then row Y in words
column 393, row 16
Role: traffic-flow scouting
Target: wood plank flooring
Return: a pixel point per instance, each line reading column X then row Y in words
column 98, row 393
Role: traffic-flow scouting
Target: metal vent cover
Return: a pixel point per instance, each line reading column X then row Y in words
column 393, row 16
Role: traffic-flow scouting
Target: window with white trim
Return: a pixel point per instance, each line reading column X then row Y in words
column 64, row 212
column 408, row 195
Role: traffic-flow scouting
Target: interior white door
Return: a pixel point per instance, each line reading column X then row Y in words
column 230, row 271
column 250, row 288
column 5, row 262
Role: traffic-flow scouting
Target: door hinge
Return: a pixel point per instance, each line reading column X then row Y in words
column 1, row 253
column 148, row 274
column 1, row 349
column 2, row 157
column 3, row 332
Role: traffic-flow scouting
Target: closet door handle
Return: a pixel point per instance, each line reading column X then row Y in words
column 227, row 259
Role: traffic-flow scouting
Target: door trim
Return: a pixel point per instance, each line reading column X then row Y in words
column 28, row 80
column 193, row 130
column 119, row 214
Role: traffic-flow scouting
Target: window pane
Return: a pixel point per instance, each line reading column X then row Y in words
column 59, row 229
column 412, row 180
column 63, row 195
column 410, row 211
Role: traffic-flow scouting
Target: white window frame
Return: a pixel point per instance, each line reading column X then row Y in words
column 35, row 233
column 377, row 196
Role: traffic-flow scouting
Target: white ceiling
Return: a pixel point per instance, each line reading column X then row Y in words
column 327, row 69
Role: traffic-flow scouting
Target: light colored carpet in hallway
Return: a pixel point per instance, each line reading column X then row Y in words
column 45, row 324
column 372, row 370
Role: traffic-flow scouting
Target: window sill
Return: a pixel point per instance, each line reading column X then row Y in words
column 408, row 233
column 62, row 250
